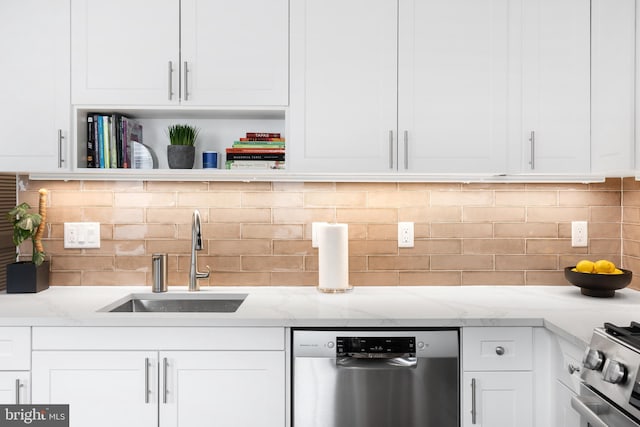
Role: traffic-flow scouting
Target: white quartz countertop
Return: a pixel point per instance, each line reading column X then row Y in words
column 562, row 309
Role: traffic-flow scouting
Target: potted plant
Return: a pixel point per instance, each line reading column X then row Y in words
column 182, row 152
column 29, row 276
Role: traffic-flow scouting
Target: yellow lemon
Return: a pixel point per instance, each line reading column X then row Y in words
column 604, row 266
column 585, row 266
column 618, row 271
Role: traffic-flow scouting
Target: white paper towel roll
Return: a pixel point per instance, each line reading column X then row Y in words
column 333, row 254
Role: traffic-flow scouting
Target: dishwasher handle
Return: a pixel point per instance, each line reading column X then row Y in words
column 377, row 361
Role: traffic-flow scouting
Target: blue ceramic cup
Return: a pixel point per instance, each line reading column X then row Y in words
column 209, row 160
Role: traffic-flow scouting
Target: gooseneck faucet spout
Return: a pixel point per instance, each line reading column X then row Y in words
column 196, row 245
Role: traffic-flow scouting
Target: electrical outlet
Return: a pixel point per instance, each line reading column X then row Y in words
column 405, row 234
column 81, row 235
column 579, row 234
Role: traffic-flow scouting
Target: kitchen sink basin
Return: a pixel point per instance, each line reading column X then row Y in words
column 174, row 303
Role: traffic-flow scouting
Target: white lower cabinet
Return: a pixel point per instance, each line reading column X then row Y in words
column 566, row 363
column 565, row 415
column 203, row 386
column 14, row 387
column 497, row 379
column 15, row 352
column 226, row 388
column 498, row 399
column 98, row 386
column 176, row 388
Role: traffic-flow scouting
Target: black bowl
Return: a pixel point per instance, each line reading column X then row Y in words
column 598, row 285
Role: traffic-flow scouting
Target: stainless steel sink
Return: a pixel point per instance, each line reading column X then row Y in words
column 176, row 303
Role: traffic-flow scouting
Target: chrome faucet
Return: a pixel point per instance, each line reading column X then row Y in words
column 196, row 245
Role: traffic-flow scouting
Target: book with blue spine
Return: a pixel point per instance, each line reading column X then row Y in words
column 101, row 140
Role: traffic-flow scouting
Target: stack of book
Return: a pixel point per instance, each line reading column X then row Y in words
column 257, row 150
column 110, row 140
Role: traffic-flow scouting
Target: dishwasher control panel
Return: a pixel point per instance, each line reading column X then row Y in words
column 323, row 343
column 372, row 347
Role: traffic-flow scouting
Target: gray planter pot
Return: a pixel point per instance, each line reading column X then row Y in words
column 181, row 156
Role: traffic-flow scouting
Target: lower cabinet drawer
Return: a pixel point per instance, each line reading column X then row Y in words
column 15, row 348
column 497, row 349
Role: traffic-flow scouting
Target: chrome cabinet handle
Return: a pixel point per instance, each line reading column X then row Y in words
column 186, row 84
column 499, row 350
column 532, row 140
column 406, row 149
column 18, row 385
column 390, row 149
column 473, row 400
column 165, row 390
column 146, row 380
column 60, row 159
column 170, row 85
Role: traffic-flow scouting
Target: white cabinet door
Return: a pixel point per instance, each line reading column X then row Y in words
column 227, row 388
column 235, row 52
column 565, row 415
column 453, row 86
column 613, row 45
column 555, row 132
column 123, row 51
column 101, row 387
column 15, row 387
column 193, row 52
column 502, row 399
column 343, row 86
column 34, row 94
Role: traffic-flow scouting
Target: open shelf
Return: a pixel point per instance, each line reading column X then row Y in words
column 219, row 127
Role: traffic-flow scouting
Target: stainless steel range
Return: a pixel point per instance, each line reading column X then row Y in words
column 610, row 393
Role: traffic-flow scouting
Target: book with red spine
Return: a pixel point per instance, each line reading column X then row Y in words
column 256, row 150
column 261, row 139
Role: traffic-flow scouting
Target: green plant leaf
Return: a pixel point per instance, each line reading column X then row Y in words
column 25, row 226
column 38, row 257
column 183, row 134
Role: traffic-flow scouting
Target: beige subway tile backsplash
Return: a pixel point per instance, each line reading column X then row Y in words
column 259, row 233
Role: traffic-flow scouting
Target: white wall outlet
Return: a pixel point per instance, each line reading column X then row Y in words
column 579, row 234
column 405, row 234
column 81, row 235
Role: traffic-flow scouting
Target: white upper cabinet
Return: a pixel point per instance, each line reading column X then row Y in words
column 343, row 85
column 34, row 95
column 613, row 47
column 555, row 131
column 482, row 86
column 235, row 52
column 191, row 52
column 414, row 86
column 453, row 85
column 125, row 52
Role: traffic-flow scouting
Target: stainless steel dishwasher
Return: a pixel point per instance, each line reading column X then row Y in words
column 376, row 378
